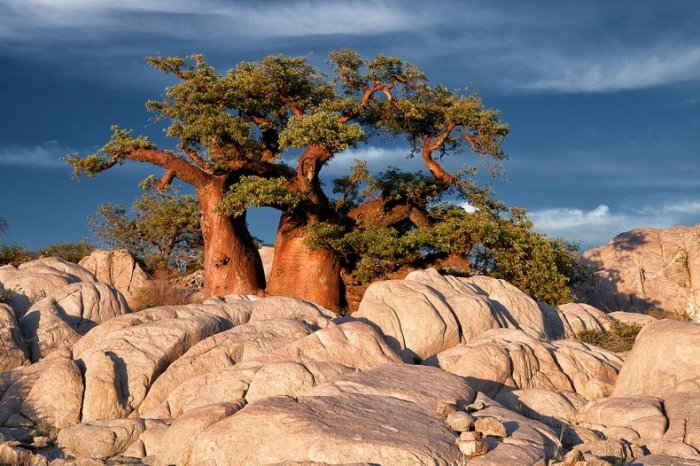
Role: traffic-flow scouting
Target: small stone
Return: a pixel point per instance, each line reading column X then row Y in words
column 571, row 458
column 460, row 421
column 490, row 427
column 476, row 406
column 472, row 448
column 470, row 436
column 41, row 442
column 445, row 409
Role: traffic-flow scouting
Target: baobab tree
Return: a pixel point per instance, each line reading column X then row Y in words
column 233, row 133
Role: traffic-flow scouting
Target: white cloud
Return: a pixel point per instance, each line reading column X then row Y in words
column 29, row 18
column 619, row 70
column 45, row 155
column 601, row 224
column 377, row 158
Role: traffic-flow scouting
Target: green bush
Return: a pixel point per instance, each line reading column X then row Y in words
column 619, row 338
column 71, row 252
column 15, row 254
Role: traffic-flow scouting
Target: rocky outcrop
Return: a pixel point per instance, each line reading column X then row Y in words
column 648, row 269
column 663, row 361
column 35, row 280
column 12, row 349
column 119, row 269
column 504, row 360
column 65, row 315
column 249, row 380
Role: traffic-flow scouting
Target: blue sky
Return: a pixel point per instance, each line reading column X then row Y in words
column 603, row 98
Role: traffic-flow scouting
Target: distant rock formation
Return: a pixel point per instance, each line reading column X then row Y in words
column 647, row 269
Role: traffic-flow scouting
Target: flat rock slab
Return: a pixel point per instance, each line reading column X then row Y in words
column 342, row 429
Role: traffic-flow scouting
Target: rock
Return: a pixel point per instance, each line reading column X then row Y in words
column 554, row 408
column 291, row 370
column 119, row 269
column 662, row 460
column 489, row 427
column 34, row 280
column 647, row 268
column 425, row 386
column 100, row 439
column 613, row 451
column 47, row 393
column 633, row 318
column 471, row 444
column 460, row 421
column 328, row 429
column 526, row 441
column 175, row 444
column 415, row 318
column 62, row 317
column 224, row 350
column 236, row 312
column 580, row 317
column 13, row 352
column 656, row 368
column 12, row 453
column 504, row 360
column 683, row 421
column 267, row 255
column 121, row 367
column 55, row 399
column 644, row 416
column 592, row 370
column 675, row 449
column 427, row 313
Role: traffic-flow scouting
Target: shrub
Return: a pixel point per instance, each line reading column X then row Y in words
column 15, row 254
column 161, row 292
column 619, row 338
column 71, row 252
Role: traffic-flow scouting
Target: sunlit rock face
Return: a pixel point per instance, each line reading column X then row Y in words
column 647, row 269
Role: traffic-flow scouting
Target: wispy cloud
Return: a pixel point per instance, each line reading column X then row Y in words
column 600, row 224
column 624, row 69
column 47, row 155
column 233, row 19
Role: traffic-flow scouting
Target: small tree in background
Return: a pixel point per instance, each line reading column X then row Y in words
column 161, row 228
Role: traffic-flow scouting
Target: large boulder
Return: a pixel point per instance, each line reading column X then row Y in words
column 648, row 268
column 663, row 361
column 428, row 313
column 581, row 317
column 35, row 280
column 290, row 370
column 504, row 360
column 12, row 350
column 68, row 313
column 47, row 393
column 119, row 269
column 120, row 368
column 342, row 429
column 224, row 350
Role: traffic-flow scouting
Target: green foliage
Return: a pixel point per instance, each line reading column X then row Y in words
column 161, row 229
column 71, row 252
column 121, row 143
column 619, row 338
column 254, row 191
column 15, row 254
column 493, row 241
column 321, row 129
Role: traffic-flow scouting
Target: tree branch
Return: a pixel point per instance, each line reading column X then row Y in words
column 181, row 169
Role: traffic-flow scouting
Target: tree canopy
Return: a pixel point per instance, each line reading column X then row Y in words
column 237, row 135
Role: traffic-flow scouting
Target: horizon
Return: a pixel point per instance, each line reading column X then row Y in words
column 602, row 99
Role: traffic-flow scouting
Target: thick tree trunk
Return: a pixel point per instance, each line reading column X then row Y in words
column 232, row 264
column 302, row 272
